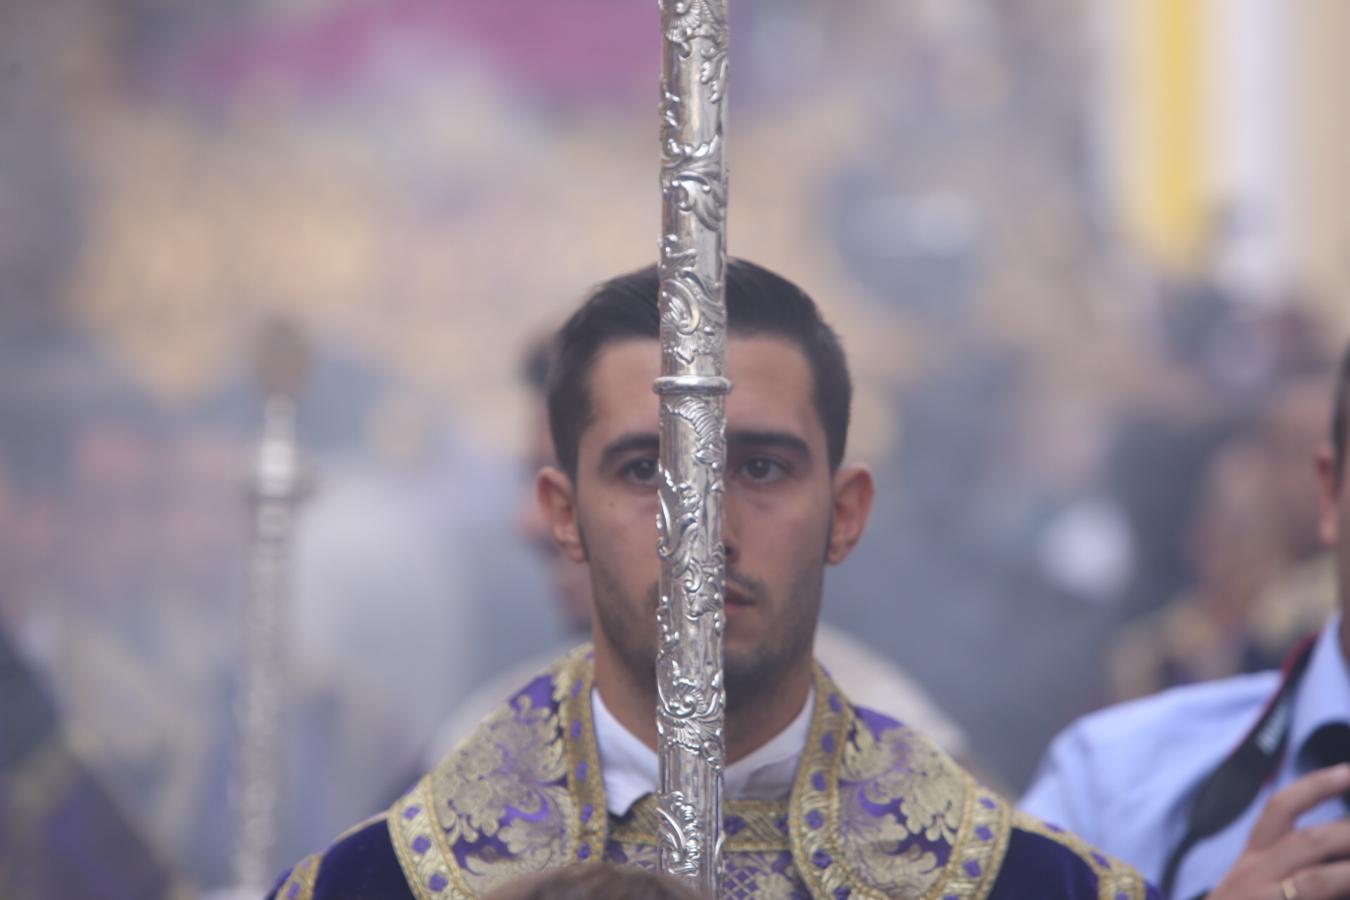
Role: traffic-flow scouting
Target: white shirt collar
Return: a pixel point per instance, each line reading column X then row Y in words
column 630, row 769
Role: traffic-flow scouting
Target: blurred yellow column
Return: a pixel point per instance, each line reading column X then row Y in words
column 1319, row 154
column 1162, row 134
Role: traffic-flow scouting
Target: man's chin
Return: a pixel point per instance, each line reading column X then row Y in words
column 747, row 674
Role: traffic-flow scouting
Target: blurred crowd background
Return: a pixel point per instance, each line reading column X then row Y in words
column 1089, row 261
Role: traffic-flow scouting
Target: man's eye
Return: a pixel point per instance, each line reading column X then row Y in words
column 762, row 470
column 641, row 471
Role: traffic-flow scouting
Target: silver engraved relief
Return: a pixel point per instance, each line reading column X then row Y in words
column 681, row 847
column 694, row 176
column 691, row 698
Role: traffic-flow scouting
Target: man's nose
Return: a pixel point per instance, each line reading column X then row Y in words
column 730, row 540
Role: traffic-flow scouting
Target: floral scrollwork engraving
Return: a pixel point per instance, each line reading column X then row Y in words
column 681, row 842
column 695, row 175
column 690, row 693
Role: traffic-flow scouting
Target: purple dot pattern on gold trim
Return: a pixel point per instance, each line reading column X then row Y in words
column 437, row 883
column 973, row 869
column 421, row 844
column 411, row 812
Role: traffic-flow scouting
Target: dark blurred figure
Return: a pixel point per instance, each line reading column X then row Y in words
column 1252, row 578
column 62, row 835
column 131, row 615
column 600, row 881
column 1300, row 596
column 1234, row 550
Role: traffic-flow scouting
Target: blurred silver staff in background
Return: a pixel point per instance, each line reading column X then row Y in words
column 280, row 480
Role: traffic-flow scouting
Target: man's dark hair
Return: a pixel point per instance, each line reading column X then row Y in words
column 758, row 303
column 1340, row 415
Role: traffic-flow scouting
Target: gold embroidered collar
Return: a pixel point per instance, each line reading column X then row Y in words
column 876, row 809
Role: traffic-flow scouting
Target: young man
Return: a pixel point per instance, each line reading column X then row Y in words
column 1231, row 789
column 824, row 799
column 867, row 676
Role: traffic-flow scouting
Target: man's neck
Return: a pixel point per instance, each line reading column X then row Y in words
column 753, row 723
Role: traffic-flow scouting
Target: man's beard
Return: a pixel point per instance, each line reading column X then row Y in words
column 751, row 672
column 748, row 672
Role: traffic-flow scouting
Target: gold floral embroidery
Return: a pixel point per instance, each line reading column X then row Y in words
column 573, row 693
column 756, row 825
column 299, row 884
column 481, row 781
column 756, row 858
column 419, row 843
column 980, row 845
column 1115, row 879
column 872, row 814
column 503, row 803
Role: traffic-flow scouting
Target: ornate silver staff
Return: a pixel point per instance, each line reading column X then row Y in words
column 279, row 481
column 692, row 387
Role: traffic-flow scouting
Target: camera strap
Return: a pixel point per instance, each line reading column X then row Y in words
column 1232, row 787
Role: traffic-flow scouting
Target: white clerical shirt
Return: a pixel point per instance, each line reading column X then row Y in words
column 630, row 767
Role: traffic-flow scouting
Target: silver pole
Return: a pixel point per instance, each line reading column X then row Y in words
column 278, row 482
column 692, row 387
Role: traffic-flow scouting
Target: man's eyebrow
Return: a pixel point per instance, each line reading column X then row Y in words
column 784, row 440
column 627, row 443
column 647, row 441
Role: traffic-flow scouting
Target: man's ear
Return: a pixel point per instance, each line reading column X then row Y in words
column 557, row 501
column 1328, row 493
column 853, row 492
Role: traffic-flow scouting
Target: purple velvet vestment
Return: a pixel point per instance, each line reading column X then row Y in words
column 876, row 811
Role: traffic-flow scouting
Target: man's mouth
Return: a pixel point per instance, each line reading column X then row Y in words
column 738, row 599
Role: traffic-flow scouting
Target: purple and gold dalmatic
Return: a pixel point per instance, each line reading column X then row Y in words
column 876, row 810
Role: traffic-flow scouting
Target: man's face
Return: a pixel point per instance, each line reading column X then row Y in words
column 1334, row 521
column 1293, row 428
column 780, row 504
